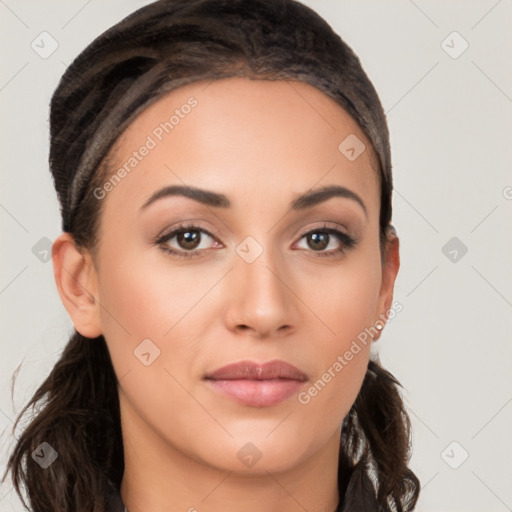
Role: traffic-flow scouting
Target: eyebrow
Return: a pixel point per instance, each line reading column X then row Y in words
column 217, row 200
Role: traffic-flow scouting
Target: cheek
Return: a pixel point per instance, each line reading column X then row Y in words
column 345, row 298
column 347, row 303
column 147, row 296
column 139, row 303
column 144, row 302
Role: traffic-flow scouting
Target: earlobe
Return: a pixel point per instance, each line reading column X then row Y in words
column 76, row 280
column 390, row 268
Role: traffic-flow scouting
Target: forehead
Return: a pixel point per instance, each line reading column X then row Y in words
column 284, row 136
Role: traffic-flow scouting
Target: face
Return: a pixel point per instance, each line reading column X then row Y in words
column 243, row 271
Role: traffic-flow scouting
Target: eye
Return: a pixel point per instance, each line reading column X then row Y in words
column 324, row 237
column 188, row 241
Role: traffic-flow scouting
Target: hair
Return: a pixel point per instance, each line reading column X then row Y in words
column 155, row 50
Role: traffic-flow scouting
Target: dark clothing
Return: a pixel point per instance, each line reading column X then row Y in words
column 359, row 496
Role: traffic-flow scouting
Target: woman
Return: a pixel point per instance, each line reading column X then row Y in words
column 227, row 260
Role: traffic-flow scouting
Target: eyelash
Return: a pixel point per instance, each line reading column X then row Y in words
column 347, row 242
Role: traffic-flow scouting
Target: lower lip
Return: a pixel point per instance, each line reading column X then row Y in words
column 257, row 393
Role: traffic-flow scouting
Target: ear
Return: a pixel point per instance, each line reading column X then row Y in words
column 76, row 279
column 390, row 266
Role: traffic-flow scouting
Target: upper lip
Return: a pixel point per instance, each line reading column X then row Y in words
column 256, row 371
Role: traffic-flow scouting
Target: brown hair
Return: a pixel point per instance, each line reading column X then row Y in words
column 159, row 48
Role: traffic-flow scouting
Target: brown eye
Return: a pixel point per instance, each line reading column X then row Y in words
column 185, row 241
column 188, row 239
column 320, row 239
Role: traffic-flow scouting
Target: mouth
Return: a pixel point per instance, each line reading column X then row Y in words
column 257, row 385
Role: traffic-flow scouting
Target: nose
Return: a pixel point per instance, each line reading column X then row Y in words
column 261, row 298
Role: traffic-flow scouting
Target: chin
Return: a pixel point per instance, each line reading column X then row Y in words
column 256, row 457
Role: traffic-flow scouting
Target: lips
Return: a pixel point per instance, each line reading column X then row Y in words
column 257, row 385
column 255, row 371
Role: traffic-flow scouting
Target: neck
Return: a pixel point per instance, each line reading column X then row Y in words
column 160, row 477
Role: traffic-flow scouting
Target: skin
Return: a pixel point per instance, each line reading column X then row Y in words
column 262, row 144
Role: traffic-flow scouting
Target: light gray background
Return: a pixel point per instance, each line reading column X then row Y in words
column 451, row 133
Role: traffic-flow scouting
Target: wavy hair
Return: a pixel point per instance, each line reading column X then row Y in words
column 156, row 49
